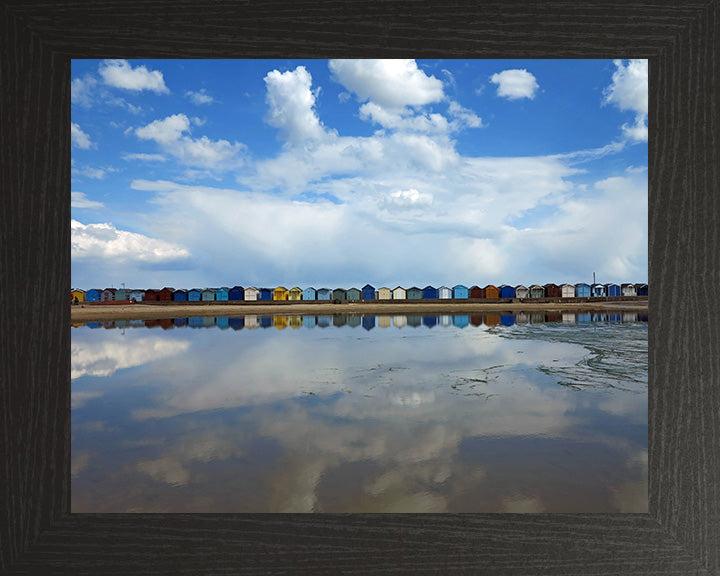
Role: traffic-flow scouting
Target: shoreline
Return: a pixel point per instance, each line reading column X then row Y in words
column 85, row 312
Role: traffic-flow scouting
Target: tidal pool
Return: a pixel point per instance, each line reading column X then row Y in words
column 351, row 413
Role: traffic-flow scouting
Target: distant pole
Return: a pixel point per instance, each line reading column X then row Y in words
column 593, row 277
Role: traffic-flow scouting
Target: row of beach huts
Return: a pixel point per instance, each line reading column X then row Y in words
column 367, row 292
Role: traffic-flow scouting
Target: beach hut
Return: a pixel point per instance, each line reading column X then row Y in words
column 251, row 293
column 195, row 322
column 414, row 321
column 92, row 295
column 507, row 319
column 354, row 294
column 180, row 322
column 265, row 294
column 445, row 320
column 194, row 295
column 444, row 293
column 567, row 290
column 597, row 290
column 399, row 293
column 430, row 293
column 280, row 293
column 492, row 319
column 491, row 291
column 151, row 296
column 414, row 293
column 122, row 294
column 309, row 294
column 384, row 293
column 476, row 320
column 323, row 294
column 613, row 289
column 582, row 290
column 339, row 320
column 641, row 289
column 107, row 295
column 368, row 292
column 208, row 295
column 280, row 321
column 265, row 321
column 324, row 320
column 180, row 296
column 523, row 292
column 295, row 321
column 476, row 292
column 460, row 291
column 537, row 291
column 222, row 294
column 166, row 294
column 506, row 291
column 339, row 294
column 628, row 290
column 137, row 295
column 236, row 293
column 553, row 291
column 78, row 295
column 295, row 293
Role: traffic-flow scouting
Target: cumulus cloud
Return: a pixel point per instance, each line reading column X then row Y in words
column 291, row 105
column 145, row 157
column 200, row 97
column 94, row 173
column 79, row 138
column 198, row 152
column 81, row 90
column 629, row 91
column 105, row 241
column 80, row 200
column 515, row 84
column 408, row 198
column 120, row 74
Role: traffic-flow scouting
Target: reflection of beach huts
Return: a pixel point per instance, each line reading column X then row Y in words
column 251, row 321
column 522, row 291
column 195, row 321
column 180, row 295
column 536, row 291
column 414, row 293
column 461, row 321
column 166, row 294
column 339, row 320
column 180, row 322
column 222, row 294
column 641, row 289
column 553, row 291
column 492, row 319
column 384, row 321
column 399, row 293
column 537, row 318
column 506, row 291
column 194, row 295
column 413, row 321
column 628, row 290
column 308, row 321
column 445, row 320
column 309, row 294
column 553, row 317
column 92, row 295
column 295, row 293
column 236, row 293
column 78, row 295
column 444, row 293
column 583, row 317
column 151, row 296
column 429, row 321
column 137, row 295
column 353, row 321
column 323, row 294
column 236, row 322
column 107, row 295
column 295, row 322
column 567, row 290
column 265, row 295
column 507, row 319
column 476, row 320
column 430, row 293
column 368, row 322
column 613, row 289
column 582, row 290
column 222, row 322
column 265, row 321
column 568, row 317
column 521, row 318
column 339, row 294
column 384, row 293
column 208, row 295
column 368, row 292
column 491, row 291
column 280, row 293
column 208, row 321
column 324, row 321
column 597, row 290
column 354, row 294
column 460, row 291
column 476, row 292
column 280, row 321
column 399, row 321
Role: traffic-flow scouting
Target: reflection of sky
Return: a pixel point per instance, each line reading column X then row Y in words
column 528, row 417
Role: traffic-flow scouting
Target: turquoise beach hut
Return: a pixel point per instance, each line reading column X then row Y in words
column 309, row 294
column 222, row 293
column 354, row 294
column 194, row 295
column 208, row 295
column 460, row 291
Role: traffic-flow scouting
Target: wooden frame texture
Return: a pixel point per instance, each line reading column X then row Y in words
column 681, row 533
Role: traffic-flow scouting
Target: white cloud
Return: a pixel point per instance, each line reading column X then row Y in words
column 200, row 97
column 94, row 173
column 291, row 104
column 145, row 157
column 80, row 200
column 105, row 241
column 515, row 84
column 120, row 74
column 79, row 138
column 629, row 91
column 165, row 131
column 405, row 198
column 464, row 116
column 81, row 90
column 392, row 84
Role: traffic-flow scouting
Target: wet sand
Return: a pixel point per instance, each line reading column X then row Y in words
column 90, row 312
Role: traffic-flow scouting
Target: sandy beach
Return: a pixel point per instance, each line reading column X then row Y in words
column 90, row 312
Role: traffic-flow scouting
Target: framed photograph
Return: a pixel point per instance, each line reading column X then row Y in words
column 41, row 533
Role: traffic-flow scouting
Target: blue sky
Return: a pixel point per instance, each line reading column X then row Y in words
column 196, row 173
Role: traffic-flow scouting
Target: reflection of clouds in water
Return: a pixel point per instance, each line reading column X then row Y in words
column 78, row 399
column 78, row 463
column 103, row 357
column 519, row 505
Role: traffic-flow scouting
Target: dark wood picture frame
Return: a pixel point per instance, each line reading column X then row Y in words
column 681, row 533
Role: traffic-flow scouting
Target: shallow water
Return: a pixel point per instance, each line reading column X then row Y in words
column 350, row 413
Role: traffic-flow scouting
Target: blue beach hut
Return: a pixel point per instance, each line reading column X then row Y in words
column 582, row 290
column 221, row 294
column 195, row 322
column 414, row 293
column 222, row 322
column 642, row 289
column 507, row 291
column 265, row 294
column 236, row 293
column 460, row 291
column 597, row 290
column 194, row 295
column 507, row 319
column 430, row 293
column 265, row 321
column 180, row 322
column 323, row 294
column 180, row 296
column 324, row 321
column 208, row 295
column 309, row 294
column 461, row 321
column 354, row 294
column 308, row 321
column 368, row 292
column 236, row 322
column 613, row 290
column 429, row 321
column 93, row 295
